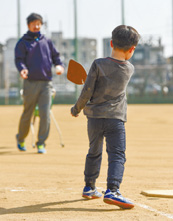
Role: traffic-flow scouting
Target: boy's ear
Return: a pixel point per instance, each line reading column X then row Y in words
column 111, row 44
column 132, row 49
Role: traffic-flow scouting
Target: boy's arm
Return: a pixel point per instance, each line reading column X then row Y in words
column 86, row 92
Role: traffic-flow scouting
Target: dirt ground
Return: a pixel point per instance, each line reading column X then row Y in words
column 48, row 187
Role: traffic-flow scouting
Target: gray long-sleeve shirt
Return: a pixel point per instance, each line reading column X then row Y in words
column 104, row 92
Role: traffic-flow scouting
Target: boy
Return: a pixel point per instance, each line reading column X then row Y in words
column 34, row 56
column 105, row 89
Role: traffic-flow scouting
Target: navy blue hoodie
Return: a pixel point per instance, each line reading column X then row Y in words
column 37, row 54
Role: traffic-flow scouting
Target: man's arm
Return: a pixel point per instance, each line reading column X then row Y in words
column 86, row 92
column 56, row 59
column 20, row 53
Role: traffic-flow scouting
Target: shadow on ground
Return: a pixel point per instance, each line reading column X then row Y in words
column 42, row 208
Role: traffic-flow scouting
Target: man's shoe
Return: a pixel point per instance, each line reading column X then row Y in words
column 20, row 145
column 41, row 148
column 88, row 193
column 117, row 199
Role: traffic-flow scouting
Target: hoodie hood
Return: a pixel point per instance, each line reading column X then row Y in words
column 30, row 36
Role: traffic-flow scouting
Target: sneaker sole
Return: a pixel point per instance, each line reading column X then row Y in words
column 90, row 197
column 41, row 152
column 117, row 203
column 20, row 148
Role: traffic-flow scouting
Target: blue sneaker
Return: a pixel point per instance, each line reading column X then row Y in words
column 41, row 148
column 117, row 199
column 20, row 145
column 88, row 193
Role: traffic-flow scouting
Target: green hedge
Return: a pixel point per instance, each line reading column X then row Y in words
column 71, row 99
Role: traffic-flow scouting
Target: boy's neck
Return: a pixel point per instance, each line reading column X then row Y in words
column 118, row 55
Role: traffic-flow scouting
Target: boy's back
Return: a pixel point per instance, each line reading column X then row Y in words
column 105, row 87
column 107, row 81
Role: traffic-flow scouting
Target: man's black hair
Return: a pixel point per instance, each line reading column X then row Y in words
column 33, row 17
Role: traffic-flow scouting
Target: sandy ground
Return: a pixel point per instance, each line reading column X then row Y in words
column 48, row 187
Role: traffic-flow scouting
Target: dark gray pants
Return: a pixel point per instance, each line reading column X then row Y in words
column 114, row 132
column 36, row 93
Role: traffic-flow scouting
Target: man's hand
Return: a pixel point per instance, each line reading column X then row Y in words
column 59, row 69
column 24, row 73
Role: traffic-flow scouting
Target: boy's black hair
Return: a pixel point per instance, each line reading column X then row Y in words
column 33, row 17
column 124, row 37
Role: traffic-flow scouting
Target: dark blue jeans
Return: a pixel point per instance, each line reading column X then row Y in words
column 114, row 132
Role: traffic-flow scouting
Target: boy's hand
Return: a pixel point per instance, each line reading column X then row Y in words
column 73, row 112
column 24, row 73
column 59, row 69
column 74, row 115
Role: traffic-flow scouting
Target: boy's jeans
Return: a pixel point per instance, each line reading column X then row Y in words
column 36, row 92
column 114, row 132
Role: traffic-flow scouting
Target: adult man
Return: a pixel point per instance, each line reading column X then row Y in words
column 34, row 56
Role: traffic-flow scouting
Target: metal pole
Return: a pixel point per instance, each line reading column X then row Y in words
column 172, row 38
column 6, row 84
column 122, row 12
column 18, row 19
column 75, row 41
column 75, row 30
column 18, row 36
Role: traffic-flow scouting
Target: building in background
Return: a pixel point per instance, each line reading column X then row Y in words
column 107, row 47
column 11, row 74
column 9, row 77
column 87, row 49
column 149, row 82
column 1, row 67
column 149, row 51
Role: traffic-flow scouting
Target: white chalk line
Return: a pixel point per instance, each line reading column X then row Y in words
column 143, row 206
column 170, row 216
column 22, row 189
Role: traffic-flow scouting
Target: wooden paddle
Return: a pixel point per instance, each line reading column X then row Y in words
column 76, row 73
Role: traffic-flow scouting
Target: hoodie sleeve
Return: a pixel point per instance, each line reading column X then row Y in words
column 20, row 54
column 55, row 54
